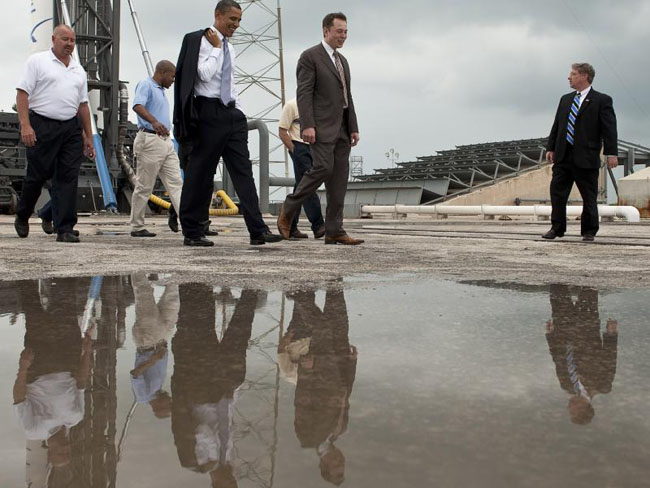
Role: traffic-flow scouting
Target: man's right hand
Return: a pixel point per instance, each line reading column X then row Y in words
column 309, row 135
column 160, row 129
column 28, row 136
column 550, row 156
column 213, row 38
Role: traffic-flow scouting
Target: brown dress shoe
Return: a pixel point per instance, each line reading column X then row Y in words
column 320, row 232
column 344, row 239
column 284, row 223
column 296, row 234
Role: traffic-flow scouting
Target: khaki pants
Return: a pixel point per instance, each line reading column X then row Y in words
column 155, row 156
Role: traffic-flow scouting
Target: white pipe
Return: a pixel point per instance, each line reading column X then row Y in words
column 41, row 16
column 631, row 214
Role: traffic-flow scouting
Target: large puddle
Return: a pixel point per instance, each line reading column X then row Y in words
column 138, row 382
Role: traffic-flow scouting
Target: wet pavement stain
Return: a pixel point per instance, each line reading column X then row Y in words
column 143, row 381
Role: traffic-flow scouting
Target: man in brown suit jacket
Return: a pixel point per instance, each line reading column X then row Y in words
column 329, row 124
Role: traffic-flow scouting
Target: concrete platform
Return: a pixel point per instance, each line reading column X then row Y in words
column 510, row 251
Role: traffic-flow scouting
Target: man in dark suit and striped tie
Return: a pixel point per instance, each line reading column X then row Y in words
column 585, row 122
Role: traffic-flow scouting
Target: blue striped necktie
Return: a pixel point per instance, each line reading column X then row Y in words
column 573, row 114
column 226, row 74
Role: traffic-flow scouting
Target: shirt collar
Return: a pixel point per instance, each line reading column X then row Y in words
column 328, row 48
column 155, row 83
column 54, row 58
column 583, row 93
column 221, row 36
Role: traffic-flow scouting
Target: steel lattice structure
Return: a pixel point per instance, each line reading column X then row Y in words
column 259, row 74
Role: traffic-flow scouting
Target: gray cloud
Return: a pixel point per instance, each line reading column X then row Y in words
column 430, row 74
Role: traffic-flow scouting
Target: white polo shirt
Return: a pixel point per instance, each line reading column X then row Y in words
column 55, row 90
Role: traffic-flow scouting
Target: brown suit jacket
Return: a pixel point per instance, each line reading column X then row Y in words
column 320, row 95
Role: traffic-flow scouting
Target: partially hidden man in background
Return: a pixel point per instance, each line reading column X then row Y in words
column 329, row 125
column 52, row 104
column 300, row 153
column 207, row 114
column 584, row 122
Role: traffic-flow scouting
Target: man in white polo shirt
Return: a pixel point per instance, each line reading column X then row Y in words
column 52, row 104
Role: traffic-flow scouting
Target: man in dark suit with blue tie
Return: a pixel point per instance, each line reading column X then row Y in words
column 208, row 118
column 585, row 122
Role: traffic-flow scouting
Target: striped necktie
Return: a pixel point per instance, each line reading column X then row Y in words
column 339, row 67
column 226, row 74
column 573, row 113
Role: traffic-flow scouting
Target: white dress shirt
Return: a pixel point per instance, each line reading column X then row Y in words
column 330, row 51
column 54, row 89
column 208, row 81
column 583, row 96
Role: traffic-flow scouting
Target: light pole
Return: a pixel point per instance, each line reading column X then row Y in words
column 392, row 157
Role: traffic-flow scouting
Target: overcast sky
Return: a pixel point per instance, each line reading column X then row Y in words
column 426, row 74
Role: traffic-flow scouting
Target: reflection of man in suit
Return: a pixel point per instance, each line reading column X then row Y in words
column 53, row 370
column 585, row 360
column 154, row 325
column 208, row 372
column 208, row 116
column 329, row 124
column 324, row 384
column 584, row 121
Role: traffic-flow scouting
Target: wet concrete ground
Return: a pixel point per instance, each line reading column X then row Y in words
column 440, row 353
column 458, row 248
column 370, row 381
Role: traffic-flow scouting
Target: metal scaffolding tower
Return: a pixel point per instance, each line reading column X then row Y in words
column 259, row 75
column 356, row 167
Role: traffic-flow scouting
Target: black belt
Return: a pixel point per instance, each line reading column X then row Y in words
column 36, row 114
column 231, row 104
column 148, row 131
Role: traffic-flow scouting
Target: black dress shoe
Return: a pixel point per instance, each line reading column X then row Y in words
column 552, row 234
column 209, row 232
column 142, row 233
column 197, row 242
column 22, row 227
column 320, row 232
column 264, row 238
column 588, row 238
column 47, row 226
column 67, row 237
column 172, row 222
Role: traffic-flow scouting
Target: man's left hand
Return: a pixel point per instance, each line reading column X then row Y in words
column 354, row 139
column 89, row 148
column 612, row 162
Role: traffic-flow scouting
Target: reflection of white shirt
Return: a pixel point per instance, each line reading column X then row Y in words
column 213, row 433
column 52, row 401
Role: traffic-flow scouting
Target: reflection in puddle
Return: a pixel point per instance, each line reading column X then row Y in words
column 223, row 388
column 585, row 359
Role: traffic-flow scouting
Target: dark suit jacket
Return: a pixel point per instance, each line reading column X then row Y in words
column 186, row 70
column 595, row 126
column 578, row 324
column 320, row 94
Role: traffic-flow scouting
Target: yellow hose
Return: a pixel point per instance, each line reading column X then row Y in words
column 221, row 212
